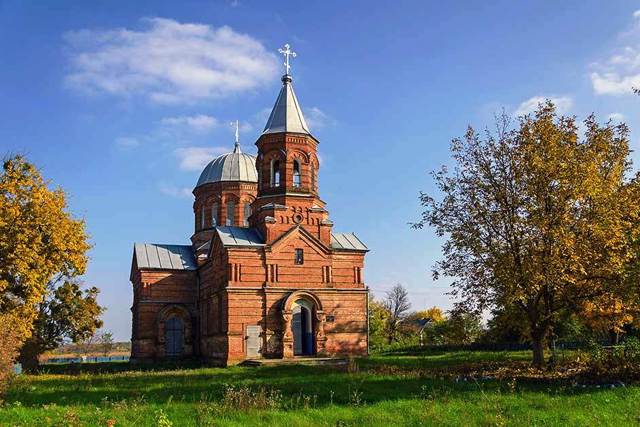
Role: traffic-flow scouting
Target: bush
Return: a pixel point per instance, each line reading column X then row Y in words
column 9, row 346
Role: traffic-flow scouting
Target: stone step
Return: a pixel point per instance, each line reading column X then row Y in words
column 311, row 361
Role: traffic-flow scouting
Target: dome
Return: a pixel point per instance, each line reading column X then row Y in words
column 235, row 166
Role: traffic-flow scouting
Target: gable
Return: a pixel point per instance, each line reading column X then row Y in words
column 298, row 237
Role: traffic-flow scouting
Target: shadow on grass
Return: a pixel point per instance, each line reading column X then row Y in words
column 191, row 383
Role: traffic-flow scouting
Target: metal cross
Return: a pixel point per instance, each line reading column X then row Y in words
column 287, row 52
column 237, row 125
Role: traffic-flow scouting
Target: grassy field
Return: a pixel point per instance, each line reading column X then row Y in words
column 459, row 388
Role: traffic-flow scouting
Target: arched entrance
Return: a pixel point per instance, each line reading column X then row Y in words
column 302, row 328
column 173, row 337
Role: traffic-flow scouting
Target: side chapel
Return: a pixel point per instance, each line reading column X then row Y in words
column 265, row 275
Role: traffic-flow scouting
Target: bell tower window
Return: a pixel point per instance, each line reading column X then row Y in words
column 202, row 220
column 275, row 173
column 231, row 207
column 296, row 173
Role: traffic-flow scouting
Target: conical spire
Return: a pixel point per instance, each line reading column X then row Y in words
column 286, row 115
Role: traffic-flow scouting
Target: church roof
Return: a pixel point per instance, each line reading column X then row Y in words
column 166, row 257
column 239, row 236
column 234, row 166
column 347, row 241
column 286, row 115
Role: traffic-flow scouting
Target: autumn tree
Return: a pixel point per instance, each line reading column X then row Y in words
column 536, row 219
column 378, row 316
column 40, row 242
column 397, row 305
column 66, row 313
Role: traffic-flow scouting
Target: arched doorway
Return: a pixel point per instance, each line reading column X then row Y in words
column 173, row 337
column 302, row 328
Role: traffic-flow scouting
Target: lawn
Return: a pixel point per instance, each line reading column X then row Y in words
column 396, row 389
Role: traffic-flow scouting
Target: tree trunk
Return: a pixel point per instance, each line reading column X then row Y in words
column 537, row 339
column 29, row 354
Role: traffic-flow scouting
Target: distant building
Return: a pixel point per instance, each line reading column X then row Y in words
column 265, row 275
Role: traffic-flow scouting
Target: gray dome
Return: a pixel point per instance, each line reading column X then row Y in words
column 235, row 166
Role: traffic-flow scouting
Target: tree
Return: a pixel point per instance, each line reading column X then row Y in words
column 536, row 220
column 40, row 243
column 609, row 316
column 397, row 305
column 105, row 340
column 462, row 328
column 433, row 314
column 378, row 316
column 66, row 313
column 39, row 240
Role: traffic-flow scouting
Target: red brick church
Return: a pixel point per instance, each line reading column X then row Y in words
column 265, row 275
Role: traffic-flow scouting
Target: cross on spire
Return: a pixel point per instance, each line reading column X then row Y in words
column 237, row 145
column 287, row 52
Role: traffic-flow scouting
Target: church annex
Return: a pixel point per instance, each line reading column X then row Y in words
column 265, row 275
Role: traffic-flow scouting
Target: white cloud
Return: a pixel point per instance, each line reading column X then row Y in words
column 616, row 117
column 619, row 73
column 196, row 158
column 563, row 104
column 199, row 123
column 168, row 61
column 173, row 191
column 317, row 119
column 127, row 142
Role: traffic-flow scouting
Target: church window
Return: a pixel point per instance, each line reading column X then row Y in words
column 202, row 223
column 299, row 259
column 296, row 173
column 313, row 177
column 231, row 207
column 214, row 215
column 275, row 173
column 247, row 213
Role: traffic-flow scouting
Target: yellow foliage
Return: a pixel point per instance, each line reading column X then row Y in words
column 39, row 240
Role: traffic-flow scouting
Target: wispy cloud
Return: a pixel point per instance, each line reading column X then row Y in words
column 173, row 191
column 563, row 104
column 127, row 142
column 200, row 123
column 168, row 62
column 619, row 73
column 196, row 158
column 317, row 119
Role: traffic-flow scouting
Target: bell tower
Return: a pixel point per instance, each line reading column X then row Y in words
column 288, row 165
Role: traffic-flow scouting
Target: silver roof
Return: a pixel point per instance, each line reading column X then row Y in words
column 286, row 115
column 348, row 241
column 239, row 236
column 168, row 257
column 234, row 166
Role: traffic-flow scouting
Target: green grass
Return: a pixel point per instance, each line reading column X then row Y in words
column 396, row 389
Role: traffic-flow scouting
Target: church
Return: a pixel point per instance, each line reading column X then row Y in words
column 265, row 275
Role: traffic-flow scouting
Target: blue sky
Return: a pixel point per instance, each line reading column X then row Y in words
column 121, row 103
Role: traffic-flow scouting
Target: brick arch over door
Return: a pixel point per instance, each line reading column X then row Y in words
column 318, row 318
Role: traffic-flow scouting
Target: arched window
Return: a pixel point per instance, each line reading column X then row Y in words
column 313, row 177
column 214, row 215
column 296, row 173
column 247, row 213
column 275, row 173
column 202, row 221
column 231, row 207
